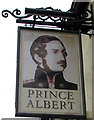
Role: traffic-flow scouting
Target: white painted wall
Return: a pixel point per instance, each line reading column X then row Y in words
column 92, row 76
column 87, row 62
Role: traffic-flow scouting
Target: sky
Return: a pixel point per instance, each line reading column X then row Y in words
column 8, row 48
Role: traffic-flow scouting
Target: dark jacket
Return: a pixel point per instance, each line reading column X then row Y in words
column 41, row 81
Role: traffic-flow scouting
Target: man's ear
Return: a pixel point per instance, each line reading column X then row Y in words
column 38, row 59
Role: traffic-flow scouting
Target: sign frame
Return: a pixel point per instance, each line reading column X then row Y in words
column 19, row 81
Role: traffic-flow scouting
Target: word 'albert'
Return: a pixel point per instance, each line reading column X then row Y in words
column 51, row 99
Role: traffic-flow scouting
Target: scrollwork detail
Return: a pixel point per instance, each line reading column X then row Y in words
column 87, row 15
column 15, row 13
column 5, row 13
column 55, row 19
column 44, row 18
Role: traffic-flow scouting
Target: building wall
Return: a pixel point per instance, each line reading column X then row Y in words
column 93, row 68
column 92, row 77
column 87, row 62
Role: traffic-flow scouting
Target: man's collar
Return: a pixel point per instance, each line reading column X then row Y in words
column 49, row 73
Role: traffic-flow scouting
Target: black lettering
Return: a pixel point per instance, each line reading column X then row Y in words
column 46, row 104
column 30, row 92
column 71, row 105
column 62, row 95
column 30, row 104
column 45, row 96
column 54, row 105
column 70, row 96
column 52, row 94
column 62, row 105
column 37, row 104
column 38, row 94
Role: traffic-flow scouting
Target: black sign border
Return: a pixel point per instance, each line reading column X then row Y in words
column 23, row 114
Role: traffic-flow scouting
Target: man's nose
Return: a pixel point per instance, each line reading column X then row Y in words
column 61, row 56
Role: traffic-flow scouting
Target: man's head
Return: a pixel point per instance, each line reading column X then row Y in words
column 49, row 53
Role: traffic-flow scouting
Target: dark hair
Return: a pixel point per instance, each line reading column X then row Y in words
column 39, row 44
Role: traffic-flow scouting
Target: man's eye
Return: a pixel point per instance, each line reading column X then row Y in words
column 55, row 51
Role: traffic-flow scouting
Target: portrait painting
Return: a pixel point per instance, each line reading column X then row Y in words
column 49, row 73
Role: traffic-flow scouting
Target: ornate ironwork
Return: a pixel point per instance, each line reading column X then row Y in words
column 15, row 13
column 54, row 17
column 87, row 15
column 49, row 10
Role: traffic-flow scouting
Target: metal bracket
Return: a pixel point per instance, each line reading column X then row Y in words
column 54, row 17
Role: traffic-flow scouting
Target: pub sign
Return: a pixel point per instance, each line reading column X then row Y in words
column 50, row 79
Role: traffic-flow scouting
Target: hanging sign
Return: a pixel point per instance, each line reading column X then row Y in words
column 49, row 74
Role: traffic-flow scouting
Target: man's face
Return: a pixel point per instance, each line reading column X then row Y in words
column 56, row 56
